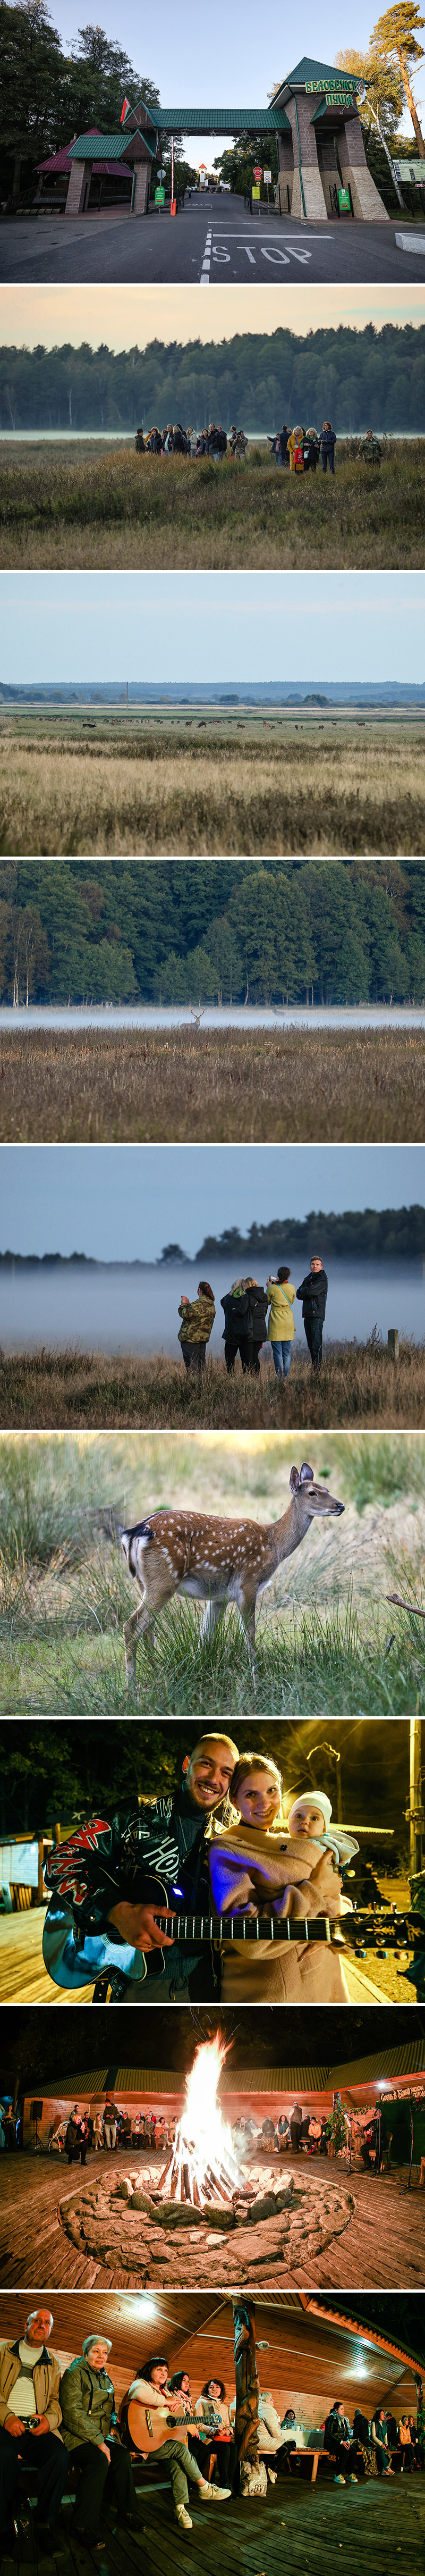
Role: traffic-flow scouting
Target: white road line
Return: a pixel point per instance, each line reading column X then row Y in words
column 206, row 263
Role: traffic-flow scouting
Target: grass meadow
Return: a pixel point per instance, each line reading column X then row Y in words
column 328, row 1640
column 214, row 1085
column 76, row 1389
column 152, row 795
column 88, row 506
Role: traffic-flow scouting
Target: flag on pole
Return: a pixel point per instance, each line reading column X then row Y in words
column 124, row 110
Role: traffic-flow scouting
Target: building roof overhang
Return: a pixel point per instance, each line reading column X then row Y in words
column 109, row 147
column 210, row 120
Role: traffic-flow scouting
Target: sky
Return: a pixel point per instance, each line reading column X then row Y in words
column 126, row 317
column 192, row 55
column 289, row 627
column 124, row 1202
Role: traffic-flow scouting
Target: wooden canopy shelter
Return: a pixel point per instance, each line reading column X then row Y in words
column 253, row 2091
column 308, row 2351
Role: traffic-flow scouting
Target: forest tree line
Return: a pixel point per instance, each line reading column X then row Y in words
column 355, row 378
column 361, row 1234
column 267, row 932
column 365, row 1234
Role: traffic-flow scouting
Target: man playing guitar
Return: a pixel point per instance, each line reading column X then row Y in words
column 97, row 1877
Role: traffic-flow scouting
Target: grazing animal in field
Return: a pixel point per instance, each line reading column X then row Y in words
column 215, row 1560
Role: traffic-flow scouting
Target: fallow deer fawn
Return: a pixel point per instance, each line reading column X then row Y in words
column 215, row 1561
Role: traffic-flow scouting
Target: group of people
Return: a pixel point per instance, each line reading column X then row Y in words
column 369, row 2444
column 84, row 2444
column 111, row 2129
column 245, row 1309
column 224, row 1841
column 301, row 449
column 176, row 441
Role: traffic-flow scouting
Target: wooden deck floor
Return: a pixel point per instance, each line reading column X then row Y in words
column 23, row 1976
column 383, row 2247
column 320, row 2529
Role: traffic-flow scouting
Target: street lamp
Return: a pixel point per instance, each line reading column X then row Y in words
column 330, row 1749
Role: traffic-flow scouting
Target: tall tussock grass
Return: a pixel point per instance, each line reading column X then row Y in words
column 156, row 796
column 73, row 1388
column 328, row 1637
column 59, row 503
column 218, row 1085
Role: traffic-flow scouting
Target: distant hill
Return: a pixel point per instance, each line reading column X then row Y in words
column 199, row 693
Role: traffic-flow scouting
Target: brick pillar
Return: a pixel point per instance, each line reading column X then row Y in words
column 285, row 154
column 140, row 198
column 314, row 208
column 366, row 201
column 78, row 187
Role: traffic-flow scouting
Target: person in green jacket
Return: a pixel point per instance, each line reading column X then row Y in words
column 104, row 2470
column 281, row 1326
column 370, row 450
column 196, row 1326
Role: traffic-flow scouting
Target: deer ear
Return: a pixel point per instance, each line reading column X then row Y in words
column 294, row 1480
column 307, row 1475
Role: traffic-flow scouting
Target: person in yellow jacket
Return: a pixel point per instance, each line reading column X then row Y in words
column 295, row 445
column 198, row 1317
column 281, row 1326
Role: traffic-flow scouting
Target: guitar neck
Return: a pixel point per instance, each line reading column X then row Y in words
column 370, row 1931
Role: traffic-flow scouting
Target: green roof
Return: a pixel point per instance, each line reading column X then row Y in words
column 307, row 70
column 105, row 147
column 215, row 120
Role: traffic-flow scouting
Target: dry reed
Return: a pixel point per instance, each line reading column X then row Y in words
column 60, row 505
column 218, row 1085
column 156, row 796
column 72, row 1389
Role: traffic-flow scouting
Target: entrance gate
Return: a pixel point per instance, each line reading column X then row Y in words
column 313, row 116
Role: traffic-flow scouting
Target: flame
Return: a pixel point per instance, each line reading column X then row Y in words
column 204, row 2142
column 202, row 2116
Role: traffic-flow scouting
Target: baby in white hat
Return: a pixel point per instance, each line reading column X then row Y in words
column 311, row 1816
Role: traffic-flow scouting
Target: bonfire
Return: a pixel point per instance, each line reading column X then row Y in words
column 202, row 2166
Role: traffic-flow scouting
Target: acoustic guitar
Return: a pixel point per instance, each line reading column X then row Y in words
column 148, row 2428
column 75, row 1957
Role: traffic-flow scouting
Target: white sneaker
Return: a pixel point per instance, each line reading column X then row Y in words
column 272, row 2474
column 213, row 2495
column 339, row 2482
column 182, row 2517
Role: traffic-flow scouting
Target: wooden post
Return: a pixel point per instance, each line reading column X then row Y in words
column 247, row 2385
column 415, row 1802
column 393, row 1343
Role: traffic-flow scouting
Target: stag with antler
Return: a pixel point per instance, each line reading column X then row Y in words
column 215, row 1561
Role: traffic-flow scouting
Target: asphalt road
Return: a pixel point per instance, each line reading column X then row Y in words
column 211, row 240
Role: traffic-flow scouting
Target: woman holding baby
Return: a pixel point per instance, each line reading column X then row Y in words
column 260, row 1864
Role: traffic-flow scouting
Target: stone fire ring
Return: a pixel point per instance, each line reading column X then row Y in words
column 124, row 2229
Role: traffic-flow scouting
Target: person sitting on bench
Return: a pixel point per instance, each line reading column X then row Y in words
column 89, row 2419
column 29, row 2428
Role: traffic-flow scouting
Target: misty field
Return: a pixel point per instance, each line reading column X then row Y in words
column 329, row 1640
column 93, row 505
column 155, row 796
column 77, row 1389
column 215, row 1085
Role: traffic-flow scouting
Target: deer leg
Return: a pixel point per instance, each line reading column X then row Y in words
column 141, row 1623
column 211, row 1614
column 245, row 1609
